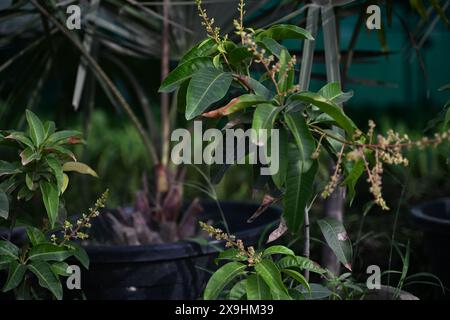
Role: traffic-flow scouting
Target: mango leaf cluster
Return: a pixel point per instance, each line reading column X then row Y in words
column 43, row 162
column 228, row 79
column 275, row 276
column 44, row 259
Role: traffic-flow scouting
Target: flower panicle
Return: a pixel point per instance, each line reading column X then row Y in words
column 231, row 242
column 71, row 232
column 383, row 150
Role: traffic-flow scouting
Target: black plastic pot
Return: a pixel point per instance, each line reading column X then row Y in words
column 168, row 271
column 434, row 218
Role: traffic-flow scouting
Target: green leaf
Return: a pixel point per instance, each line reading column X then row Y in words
column 62, row 136
column 338, row 240
column 183, row 72
column 37, row 131
column 238, row 290
column 9, row 249
column 302, row 136
column 15, row 275
column 329, row 107
column 60, row 268
column 80, row 254
column 298, row 277
column 285, row 31
column 352, row 178
column 244, row 101
column 61, row 150
column 207, row 86
column 28, row 155
column 279, row 178
column 221, row 278
column 49, row 128
column 285, row 81
column 8, row 168
column 271, row 275
column 65, row 183
column 181, row 96
column 203, row 49
column 35, row 235
column 264, row 118
column 46, row 277
column 278, row 250
column 238, row 55
column 50, row 197
column 79, row 167
column 317, row 292
column 447, row 118
column 24, row 194
column 20, row 137
column 4, row 205
column 299, row 187
column 259, row 88
column 272, row 46
column 24, row 291
column 333, row 92
column 5, row 262
column 49, row 252
column 57, row 170
column 302, row 263
column 230, row 254
column 29, row 182
column 257, row 289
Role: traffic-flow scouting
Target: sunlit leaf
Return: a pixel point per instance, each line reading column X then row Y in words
column 79, row 167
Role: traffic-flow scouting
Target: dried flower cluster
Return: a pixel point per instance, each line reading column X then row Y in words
column 72, row 232
column 231, row 242
column 386, row 150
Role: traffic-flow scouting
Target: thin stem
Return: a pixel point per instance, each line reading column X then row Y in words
column 394, row 228
column 371, row 146
column 165, row 96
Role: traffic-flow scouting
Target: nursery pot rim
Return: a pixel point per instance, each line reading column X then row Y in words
column 175, row 250
column 427, row 221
